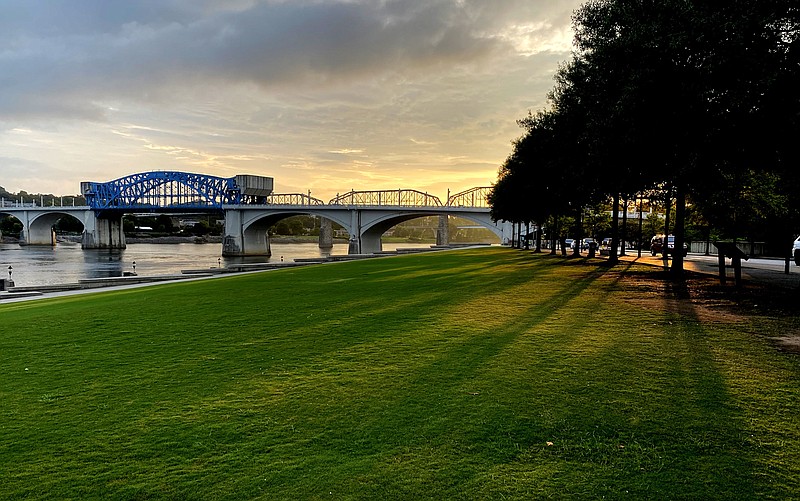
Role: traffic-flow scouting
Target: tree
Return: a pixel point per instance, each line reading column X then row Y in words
column 164, row 224
column 693, row 85
column 678, row 93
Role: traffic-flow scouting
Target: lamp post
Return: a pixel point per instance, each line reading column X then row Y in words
column 134, row 267
column 219, row 262
column 10, row 269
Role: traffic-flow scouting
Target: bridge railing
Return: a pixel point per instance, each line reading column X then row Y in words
column 394, row 198
column 14, row 204
column 474, row 197
column 292, row 199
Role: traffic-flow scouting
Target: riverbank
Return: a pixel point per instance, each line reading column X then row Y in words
column 126, row 279
column 205, row 239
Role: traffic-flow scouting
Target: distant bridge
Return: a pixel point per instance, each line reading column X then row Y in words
column 249, row 207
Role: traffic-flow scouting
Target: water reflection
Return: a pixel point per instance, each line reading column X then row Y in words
column 103, row 263
column 68, row 263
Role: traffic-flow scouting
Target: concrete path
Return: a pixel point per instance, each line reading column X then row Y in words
column 766, row 271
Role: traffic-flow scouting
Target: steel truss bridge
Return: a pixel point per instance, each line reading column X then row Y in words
column 249, row 207
column 182, row 191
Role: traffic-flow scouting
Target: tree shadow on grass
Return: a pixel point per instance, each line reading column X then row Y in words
column 613, row 425
column 429, row 409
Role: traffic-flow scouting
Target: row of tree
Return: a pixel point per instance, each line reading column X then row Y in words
column 693, row 100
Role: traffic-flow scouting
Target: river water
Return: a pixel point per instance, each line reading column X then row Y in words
column 68, row 263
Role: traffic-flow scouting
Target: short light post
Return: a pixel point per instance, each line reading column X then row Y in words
column 134, row 267
column 219, row 262
column 10, row 269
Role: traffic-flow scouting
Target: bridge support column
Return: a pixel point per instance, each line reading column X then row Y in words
column 241, row 241
column 443, row 232
column 370, row 244
column 102, row 233
column 325, row 233
column 354, row 246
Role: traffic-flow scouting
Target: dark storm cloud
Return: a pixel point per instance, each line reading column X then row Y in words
column 74, row 58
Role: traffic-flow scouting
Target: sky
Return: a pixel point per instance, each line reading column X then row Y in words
column 325, row 96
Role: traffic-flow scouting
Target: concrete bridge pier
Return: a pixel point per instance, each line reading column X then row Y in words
column 443, row 232
column 363, row 241
column 354, row 246
column 325, row 233
column 37, row 235
column 371, row 242
column 244, row 240
column 102, row 233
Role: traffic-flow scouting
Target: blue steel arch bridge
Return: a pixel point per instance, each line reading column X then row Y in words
column 181, row 191
column 249, row 207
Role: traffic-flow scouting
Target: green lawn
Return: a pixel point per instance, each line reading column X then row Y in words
column 487, row 373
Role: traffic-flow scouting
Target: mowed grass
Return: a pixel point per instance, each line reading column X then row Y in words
column 486, row 373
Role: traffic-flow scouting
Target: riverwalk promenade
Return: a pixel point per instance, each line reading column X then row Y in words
column 764, row 271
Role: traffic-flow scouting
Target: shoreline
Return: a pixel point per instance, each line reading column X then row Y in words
column 25, row 293
column 76, row 239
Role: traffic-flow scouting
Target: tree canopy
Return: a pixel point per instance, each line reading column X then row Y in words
column 697, row 95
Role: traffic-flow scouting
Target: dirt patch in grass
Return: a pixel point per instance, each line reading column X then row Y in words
column 789, row 343
column 773, row 309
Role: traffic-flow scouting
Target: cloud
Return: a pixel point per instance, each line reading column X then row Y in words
column 64, row 60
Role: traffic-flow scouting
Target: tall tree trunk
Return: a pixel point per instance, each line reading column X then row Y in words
column 554, row 235
column 612, row 254
column 680, row 225
column 527, row 235
column 578, row 232
column 623, row 234
column 664, row 243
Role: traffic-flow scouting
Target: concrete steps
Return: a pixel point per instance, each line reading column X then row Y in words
column 239, row 268
column 16, row 295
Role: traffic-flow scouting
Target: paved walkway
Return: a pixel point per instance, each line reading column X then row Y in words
column 766, row 271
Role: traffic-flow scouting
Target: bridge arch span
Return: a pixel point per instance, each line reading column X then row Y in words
column 37, row 223
column 40, row 227
column 380, row 222
column 269, row 218
column 374, row 225
column 246, row 227
column 4, row 215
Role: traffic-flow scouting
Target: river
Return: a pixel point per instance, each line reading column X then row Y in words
column 68, row 263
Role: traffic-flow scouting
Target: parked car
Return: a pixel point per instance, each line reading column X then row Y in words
column 586, row 242
column 657, row 245
column 796, row 251
column 569, row 243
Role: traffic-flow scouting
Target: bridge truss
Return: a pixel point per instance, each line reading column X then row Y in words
column 395, row 198
column 292, row 199
column 162, row 190
column 172, row 191
column 474, row 197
